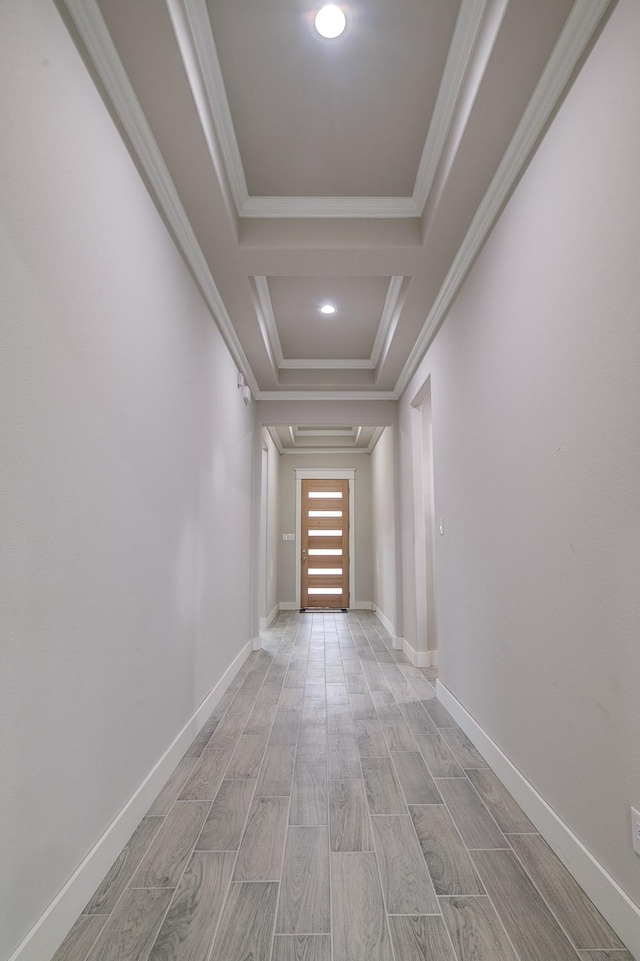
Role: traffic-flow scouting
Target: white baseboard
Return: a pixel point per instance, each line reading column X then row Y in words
column 266, row 622
column 384, row 620
column 256, row 644
column 288, row 606
column 54, row 924
column 617, row 907
column 361, row 606
column 417, row 658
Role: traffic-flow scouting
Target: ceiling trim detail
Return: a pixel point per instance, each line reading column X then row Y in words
column 194, row 35
column 192, row 28
column 466, row 33
column 329, row 207
column 377, row 434
column 328, row 395
column 268, row 326
column 388, row 311
column 323, row 364
column 273, row 434
column 572, row 43
column 345, row 451
column 269, row 330
column 88, row 20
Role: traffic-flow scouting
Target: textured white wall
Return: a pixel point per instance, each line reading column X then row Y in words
column 535, row 381
column 383, row 527
column 126, row 474
column 361, row 591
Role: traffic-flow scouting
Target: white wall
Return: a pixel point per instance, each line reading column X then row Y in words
column 361, row 591
column 383, row 528
column 535, row 380
column 272, row 525
column 126, row 474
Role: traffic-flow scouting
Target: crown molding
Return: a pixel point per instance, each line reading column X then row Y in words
column 273, row 434
column 325, row 432
column 271, row 337
column 202, row 66
column 327, row 364
column 267, row 322
column 384, row 326
column 329, row 395
column 192, row 27
column 377, row 434
column 465, row 35
column 565, row 57
column 195, row 38
column 325, row 450
column 329, row 207
column 93, row 32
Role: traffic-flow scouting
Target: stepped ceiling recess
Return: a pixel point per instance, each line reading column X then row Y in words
column 362, row 172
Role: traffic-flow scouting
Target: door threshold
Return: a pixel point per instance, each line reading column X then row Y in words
column 323, row 610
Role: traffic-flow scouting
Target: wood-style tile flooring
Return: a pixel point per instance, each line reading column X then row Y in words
column 332, row 810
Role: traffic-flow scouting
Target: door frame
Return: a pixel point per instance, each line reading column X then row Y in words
column 426, row 640
column 327, row 473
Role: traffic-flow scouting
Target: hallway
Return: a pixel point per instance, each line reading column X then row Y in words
column 332, row 800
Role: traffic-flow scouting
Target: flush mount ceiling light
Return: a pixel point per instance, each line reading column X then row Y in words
column 330, row 21
column 327, row 309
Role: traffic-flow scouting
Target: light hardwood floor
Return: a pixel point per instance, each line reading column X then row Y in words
column 332, row 810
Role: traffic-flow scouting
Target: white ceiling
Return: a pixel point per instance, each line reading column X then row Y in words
column 365, row 171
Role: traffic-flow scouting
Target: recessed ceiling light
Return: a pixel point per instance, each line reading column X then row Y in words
column 327, row 309
column 330, row 21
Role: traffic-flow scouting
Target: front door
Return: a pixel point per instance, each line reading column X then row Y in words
column 324, row 539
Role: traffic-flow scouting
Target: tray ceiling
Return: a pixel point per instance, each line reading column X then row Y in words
column 366, row 171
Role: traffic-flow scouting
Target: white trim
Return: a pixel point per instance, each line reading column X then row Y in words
column 607, row 895
column 328, row 473
column 93, row 31
column 330, row 207
column 196, row 42
column 271, row 337
column 266, row 622
column 326, row 395
column 256, row 643
column 375, row 437
column 361, row 606
column 360, row 363
column 52, row 927
column 288, row 606
column 386, row 623
column 202, row 67
column 273, row 434
column 326, row 450
column 576, row 34
column 267, row 320
column 417, row 658
column 465, row 35
column 326, row 432
column 382, row 339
